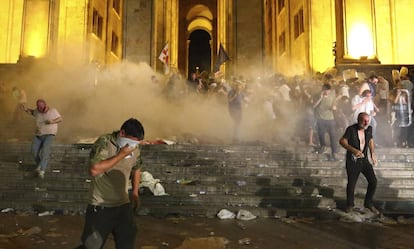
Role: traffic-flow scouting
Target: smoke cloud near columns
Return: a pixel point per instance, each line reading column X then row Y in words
column 94, row 101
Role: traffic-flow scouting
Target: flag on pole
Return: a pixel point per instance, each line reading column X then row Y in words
column 164, row 55
column 221, row 58
column 164, row 58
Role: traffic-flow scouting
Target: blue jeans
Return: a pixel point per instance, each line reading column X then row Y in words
column 41, row 148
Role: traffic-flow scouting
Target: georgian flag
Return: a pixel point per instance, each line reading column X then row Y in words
column 164, row 55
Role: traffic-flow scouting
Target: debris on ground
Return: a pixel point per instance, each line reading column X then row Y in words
column 154, row 185
column 6, row 210
column 245, row 241
column 226, row 214
column 245, row 215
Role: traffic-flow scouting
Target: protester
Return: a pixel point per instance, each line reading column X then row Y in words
column 47, row 120
column 236, row 97
column 402, row 110
column 114, row 159
column 365, row 103
column 357, row 139
column 405, row 81
column 370, row 84
column 324, row 112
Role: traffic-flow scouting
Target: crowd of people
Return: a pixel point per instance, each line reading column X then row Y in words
column 314, row 106
column 351, row 110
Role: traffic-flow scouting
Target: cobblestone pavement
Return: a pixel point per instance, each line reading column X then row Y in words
column 63, row 231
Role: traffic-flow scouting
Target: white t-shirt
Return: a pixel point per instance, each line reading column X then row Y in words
column 41, row 118
column 367, row 107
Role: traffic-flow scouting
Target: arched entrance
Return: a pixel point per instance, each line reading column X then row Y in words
column 199, row 51
column 198, row 30
column 183, row 17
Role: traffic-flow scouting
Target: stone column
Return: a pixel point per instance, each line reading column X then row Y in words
column 11, row 12
column 171, row 30
column 35, row 28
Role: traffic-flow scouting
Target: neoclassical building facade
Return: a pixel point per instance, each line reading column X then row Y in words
column 260, row 36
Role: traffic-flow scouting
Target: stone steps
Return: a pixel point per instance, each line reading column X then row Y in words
column 261, row 179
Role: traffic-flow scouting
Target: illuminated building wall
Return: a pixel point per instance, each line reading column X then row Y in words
column 365, row 31
column 394, row 36
column 35, row 28
column 68, row 19
column 11, row 13
column 88, row 30
column 302, row 35
column 320, row 28
column 293, row 36
column 374, row 31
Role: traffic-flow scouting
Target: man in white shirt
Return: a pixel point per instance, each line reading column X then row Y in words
column 47, row 120
column 364, row 103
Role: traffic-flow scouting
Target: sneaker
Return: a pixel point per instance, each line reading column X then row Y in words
column 38, row 169
column 373, row 210
column 334, row 157
column 322, row 149
column 41, row 174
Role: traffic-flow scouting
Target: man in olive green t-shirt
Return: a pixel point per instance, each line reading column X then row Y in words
column 114, row 159
column 324, row 107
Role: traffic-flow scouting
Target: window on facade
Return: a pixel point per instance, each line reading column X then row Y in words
column 282, row 43
column 280, row 5
column 298, row 23
column 116, row 4
column 97, row 24
column 114, row 43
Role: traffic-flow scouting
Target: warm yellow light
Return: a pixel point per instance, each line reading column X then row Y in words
column 360, row 41
column 36, row 28
column 35, row 45
column 200, row 23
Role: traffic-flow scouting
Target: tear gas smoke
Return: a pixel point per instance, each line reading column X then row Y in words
column 93, row 101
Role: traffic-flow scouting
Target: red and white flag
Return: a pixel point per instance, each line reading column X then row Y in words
column 164, row 55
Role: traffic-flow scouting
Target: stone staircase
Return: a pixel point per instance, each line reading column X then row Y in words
column 203, row 179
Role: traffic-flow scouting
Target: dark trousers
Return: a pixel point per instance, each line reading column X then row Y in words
column 330, row 127
column 353, row 170
column 101, row 221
